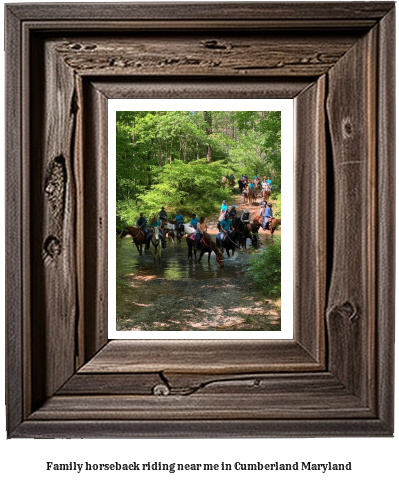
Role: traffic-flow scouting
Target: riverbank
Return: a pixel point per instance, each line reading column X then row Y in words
column 224, row 304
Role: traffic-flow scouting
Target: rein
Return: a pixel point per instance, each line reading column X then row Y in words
column 232, row 241
column 140, row 231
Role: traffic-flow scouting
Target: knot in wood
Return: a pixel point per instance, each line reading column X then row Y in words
column 347, row 128
column 161, row 390
column 52, row 246
column 213, row 44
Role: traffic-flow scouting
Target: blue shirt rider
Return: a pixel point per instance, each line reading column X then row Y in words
column 153, row 224
column 179, row 221
column 225, row 225
column 194, row 220
column 268, row 216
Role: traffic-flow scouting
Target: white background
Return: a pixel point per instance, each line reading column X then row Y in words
column 286, row 107
column 374, row 460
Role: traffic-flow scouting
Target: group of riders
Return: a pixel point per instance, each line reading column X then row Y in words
column 265, row 186
column 228, row 222
column 161, row 220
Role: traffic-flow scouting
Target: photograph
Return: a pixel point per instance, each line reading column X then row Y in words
column 198, row 220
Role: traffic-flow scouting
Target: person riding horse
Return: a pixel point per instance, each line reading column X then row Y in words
column 163, row 216
column 233, row 211
column 194, row 220
column 179, row 219
column 142, row 224
column 224, row 226
column 268, row 216
column 200, row 230
column 155, row 222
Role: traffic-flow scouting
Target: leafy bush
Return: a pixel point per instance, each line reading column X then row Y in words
column 265, row 270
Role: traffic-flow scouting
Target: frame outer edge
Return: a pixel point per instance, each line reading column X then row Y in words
column 14, row 207
column 302, row 11
column 385, row 289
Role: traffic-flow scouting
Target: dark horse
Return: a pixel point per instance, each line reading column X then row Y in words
column 137, row 235
column 240, row 185
column 206, row 245
column 231, row 241
column 247, row 230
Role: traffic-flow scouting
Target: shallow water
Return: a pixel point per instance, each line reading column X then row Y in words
column 174, row 264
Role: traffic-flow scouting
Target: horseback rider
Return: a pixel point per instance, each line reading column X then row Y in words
column 268, row 216
column 246, row 219
column 163, row 216
column 141, row 223
column 200, row 230
column 233, row 211
column 264, row 184
column 179, row 222
column 225, row 226
column 262, row 205
column 155, row 222
column 194, row 220
column 269, row 182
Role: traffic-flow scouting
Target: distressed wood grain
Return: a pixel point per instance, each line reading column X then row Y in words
column 240, row 55
column 360, row 13
column 53, row 213
column 386, row 243
column 310, row 220
column 351, row 307
column 200, row 356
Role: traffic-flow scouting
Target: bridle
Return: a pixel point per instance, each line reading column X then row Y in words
column 139, row 231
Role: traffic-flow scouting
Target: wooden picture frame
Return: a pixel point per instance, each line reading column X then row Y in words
column 335, row 378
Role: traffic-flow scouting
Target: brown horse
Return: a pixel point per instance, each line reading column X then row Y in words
column 266, row 192
column 206, row 245
column 245, row 193
column 272, row 225
column 137, row 235
column 252, row 195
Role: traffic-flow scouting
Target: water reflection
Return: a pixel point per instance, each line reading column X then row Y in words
column 175, row 265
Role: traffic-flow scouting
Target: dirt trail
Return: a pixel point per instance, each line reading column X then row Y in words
column 240, row 207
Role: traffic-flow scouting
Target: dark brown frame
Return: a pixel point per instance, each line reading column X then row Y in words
column 336, row 376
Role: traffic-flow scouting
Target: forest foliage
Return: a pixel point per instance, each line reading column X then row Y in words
column 265, row 269
column 177, row 159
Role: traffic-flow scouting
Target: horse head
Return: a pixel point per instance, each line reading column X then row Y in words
column 124, row 233
column 219, row 257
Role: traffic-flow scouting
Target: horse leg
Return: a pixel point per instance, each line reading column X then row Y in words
column 138, row 248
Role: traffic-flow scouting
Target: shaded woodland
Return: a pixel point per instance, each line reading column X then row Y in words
column 177, row 159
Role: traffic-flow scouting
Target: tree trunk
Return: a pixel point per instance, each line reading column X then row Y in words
column 208, row 132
